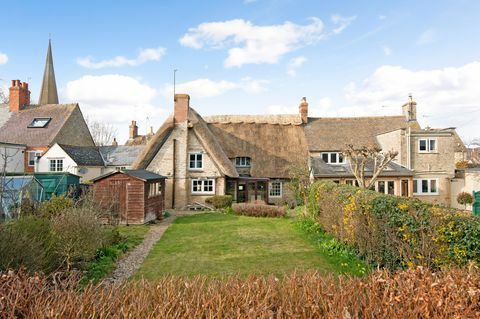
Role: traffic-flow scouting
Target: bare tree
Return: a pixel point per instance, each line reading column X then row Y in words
column 3, row 97
column 367, row 158
column 7, row 158
column 102, row 133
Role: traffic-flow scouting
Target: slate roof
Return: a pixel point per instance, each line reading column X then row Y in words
column 141, row 174
column 15, row 129
column 84, row 155
column 333, row 134
column 120, row 155
column 322, row 169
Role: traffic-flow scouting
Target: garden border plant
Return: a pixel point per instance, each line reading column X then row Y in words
column 395, row 232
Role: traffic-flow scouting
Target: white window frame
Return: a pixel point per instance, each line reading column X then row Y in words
column 244, row 159
column 428, row 145
column 36, row 153
column 329, row 154
column 418, row 183
column 195, row 168
column 202, row 186
column 270, row 188
column 56, row 164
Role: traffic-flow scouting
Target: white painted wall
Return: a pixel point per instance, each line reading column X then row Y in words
column 86, row 173
column 470, row 183
column 14, row 158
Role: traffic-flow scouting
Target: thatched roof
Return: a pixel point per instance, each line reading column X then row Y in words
column 154, row 145
column 210, row 143
column 333, row 134
column 273, row 148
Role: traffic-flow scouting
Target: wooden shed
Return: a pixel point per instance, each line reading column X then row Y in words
column 137, row 196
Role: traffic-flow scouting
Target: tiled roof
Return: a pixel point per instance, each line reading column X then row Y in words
column 15, row 129
column 333, row 134
column 84, row 155
column 322, row 169
column 121, row 155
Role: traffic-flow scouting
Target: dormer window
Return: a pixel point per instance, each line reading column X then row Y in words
column 242, row 161
column 39, row 122
column 333, row 157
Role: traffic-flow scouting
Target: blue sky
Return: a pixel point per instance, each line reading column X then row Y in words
column 116, row 58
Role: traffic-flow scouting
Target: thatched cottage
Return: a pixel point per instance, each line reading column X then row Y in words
column 250, row 157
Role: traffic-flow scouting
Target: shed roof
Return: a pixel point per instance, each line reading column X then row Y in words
column 84, row 155
column 15, row 128
column 333, row 134
column 140, row 174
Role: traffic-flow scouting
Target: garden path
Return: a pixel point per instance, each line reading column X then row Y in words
column 132, row 261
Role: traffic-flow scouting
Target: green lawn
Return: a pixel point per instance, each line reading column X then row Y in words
column 218, row 244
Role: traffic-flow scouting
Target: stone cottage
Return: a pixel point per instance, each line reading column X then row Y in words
column 250, row 156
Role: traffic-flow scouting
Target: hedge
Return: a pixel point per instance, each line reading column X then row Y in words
column 220, row 201
column 258, row 210
column 395, row 232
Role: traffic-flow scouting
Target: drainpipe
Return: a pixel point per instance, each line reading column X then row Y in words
column 409, row 148
column 173, row 172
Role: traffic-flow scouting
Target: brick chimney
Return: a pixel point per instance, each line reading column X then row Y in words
column 303, row 109
column 182, row 104
column 19, row 96
column 133, row 130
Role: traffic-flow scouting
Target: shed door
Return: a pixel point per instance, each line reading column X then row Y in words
column 476, row 203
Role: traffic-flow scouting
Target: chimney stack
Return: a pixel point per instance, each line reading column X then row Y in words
column 410, row 109
column 182, row 104
column 19, row 96
column 133, row 130
column 114, row 143
column 303, row 109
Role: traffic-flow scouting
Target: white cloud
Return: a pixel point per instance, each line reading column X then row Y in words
column 3, row 58
column 203, row 88
column 341, row 22
column 253, row 44
column 144, row 55
column 386, row 50
column 427, row 37
column 294, row 64
column 321, row 108
column 114, row 99
column 445, row 97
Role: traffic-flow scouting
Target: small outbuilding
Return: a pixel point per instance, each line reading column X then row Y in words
column 135, row 196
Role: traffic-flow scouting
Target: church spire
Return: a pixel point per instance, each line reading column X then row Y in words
column 48, row 93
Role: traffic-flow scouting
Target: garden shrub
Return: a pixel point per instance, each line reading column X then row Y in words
column 465, row 198
column 220, row 201
column 395, row 232
column 258, row 210
column 55, row 206
column 28, row 242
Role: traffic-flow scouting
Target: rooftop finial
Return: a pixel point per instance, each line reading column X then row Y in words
column 48, row 93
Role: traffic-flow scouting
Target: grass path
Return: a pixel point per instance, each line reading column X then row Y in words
column 218, row 244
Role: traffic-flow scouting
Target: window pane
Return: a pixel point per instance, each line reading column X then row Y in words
column 248, row 161
column 333, row 157
column 433, row 146
column 52, row 165
column 423, row 145
column 391, row 187
column 325, row 157
column 415, row 188
column 349, row 182
column 340, row 157
column 59, row 165
column 433, row 186
column 424, row 185
column 381, row 187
